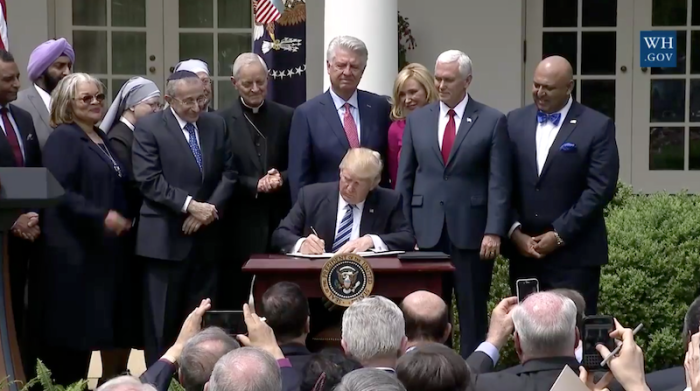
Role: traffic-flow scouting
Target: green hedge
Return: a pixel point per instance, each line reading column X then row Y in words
column 652, row 276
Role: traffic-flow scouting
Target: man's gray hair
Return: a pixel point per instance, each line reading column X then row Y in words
column 201, row 353
column 125, row 383
column 369, row 379
column 464, row 62
column 172, row 85
column 373, row 327
column 546, row 325
column 349, row 43
column 247, row 59
column 246, row 369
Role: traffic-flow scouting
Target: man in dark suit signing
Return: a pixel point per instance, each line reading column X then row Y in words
column 566, row 166
column 455, row 178
column 183, row 163
column 352, row 215
column 259, row 133
column 325, row 127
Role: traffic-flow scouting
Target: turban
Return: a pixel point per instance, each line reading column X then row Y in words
column 133, row 92
column 194, row 66
column 46, row 54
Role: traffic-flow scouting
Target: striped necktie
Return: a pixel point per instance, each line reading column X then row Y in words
column 344, row 229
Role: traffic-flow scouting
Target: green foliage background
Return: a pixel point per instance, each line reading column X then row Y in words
column 652, row 276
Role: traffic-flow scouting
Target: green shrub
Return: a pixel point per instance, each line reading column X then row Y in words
column 652, row 276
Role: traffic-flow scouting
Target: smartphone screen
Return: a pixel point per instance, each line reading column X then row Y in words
column 596, row 330
column 526, row 287
column 232, row 322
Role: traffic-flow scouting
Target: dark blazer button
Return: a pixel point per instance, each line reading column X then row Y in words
column 442, row 203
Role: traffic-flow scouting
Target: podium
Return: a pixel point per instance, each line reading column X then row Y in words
column 20, row 189
column 393, row 279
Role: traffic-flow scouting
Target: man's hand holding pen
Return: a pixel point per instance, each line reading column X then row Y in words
column 312, row 244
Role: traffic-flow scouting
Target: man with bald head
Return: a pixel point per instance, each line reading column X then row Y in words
column 566, row 166
column 427, row 319
column 545, row 340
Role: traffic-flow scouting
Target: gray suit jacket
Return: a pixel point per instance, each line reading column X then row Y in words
column 471, row 194
column 29, row 100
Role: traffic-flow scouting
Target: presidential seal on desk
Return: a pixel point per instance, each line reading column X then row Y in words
column 346, row 278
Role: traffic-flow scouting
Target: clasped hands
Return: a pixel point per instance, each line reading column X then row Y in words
column 201, row 214
column 537, row 246
column 27, row 226
column 270, row 182
column 313, row 245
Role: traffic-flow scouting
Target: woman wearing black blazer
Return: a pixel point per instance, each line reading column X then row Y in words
column 82, row 300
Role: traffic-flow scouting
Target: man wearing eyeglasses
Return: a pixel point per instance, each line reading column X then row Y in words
column 200, row 68
column 183, row 163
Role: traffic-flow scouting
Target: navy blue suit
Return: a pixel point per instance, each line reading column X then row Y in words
column 569, row 196
column 317, row 140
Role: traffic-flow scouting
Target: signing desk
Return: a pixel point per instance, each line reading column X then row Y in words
column 392, row 278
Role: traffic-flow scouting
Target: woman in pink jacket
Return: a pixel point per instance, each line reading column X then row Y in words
column 414, row 87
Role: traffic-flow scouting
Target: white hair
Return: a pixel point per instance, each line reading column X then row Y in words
column 246, row 369
column 349, row 43
column 247, row 59
column 171, row 86
column 373, row 327
column 464, row 62
column 546, row 325
column 125, row 383
column 369, row 379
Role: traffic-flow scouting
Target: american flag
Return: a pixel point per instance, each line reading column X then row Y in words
column 4, row 42
column 266, row 11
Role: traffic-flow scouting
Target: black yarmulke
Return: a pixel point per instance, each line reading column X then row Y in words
column 181, row 75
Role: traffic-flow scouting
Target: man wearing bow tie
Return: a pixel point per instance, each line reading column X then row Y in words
column 566, row 166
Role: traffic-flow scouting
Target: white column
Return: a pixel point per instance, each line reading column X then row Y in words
column 375, row 23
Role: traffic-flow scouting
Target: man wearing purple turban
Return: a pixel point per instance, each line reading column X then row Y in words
column 48, row 64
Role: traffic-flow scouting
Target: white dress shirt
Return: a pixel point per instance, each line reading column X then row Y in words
column 378, row 243
column 45, row 97
column 182, row 124
column 127, row 123
column 544, row 138
column 354, row 109
column 445, row 117
column 17, row 133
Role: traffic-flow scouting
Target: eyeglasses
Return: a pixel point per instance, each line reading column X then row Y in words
column 192, row 102
column 155, row 105
column 87, row 99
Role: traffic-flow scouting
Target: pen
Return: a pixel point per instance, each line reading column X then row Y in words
column 617, row 349
column 315, row 233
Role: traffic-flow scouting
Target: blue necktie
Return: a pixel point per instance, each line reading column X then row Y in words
column 194, row 145
column 543, row 117
column 344, row 229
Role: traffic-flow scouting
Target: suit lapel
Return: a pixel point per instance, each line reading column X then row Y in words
column 96, row 149
column 206, row 144
column 39, row 105
column 471, row 113
column 240, row 124
column 529, row 140
column 27, row 137
column 434, row 140
column 328, row 212
column 174, row 129
column 369, row 215
column 330, row 113
column 568, row 125
column 366, row 119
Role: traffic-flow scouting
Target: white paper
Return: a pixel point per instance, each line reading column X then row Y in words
column 568, row 381
column 364, row 254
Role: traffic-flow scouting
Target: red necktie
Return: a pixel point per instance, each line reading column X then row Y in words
column 350, row 128
column 448, row 139
column 12, row 137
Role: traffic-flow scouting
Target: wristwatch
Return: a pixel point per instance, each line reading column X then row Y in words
column 560, row 242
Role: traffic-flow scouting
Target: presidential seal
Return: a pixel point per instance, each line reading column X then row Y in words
column 346, row 278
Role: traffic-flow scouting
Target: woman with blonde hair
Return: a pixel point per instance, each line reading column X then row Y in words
column 414, row 87
column 81, row 296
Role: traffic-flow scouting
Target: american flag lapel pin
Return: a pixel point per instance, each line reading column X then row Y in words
column 469, row 120
column 573, row 121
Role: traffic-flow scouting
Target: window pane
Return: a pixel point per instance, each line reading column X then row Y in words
column 234, row 14
column 92, row 47
column 560, row 13
column 679, row 69
column 669, row 12
column 562, row 44
column 694, row 110
column 667, row 101
column 129, row 13
column 599, row 95
column 129, row 53
column 230, row 46
column 197, row 45
column 89, row 12
column 598, row 54
column 695, row 51
column 695, row 20
column 227, row 94
column 116, row 86
column 599, row 13
column 666, row 146
column 196, row 13
column 694, row 155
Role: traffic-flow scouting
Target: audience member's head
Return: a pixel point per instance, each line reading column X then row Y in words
column 374, row 332
column 545, row 326
column 369, row 379
column 433, row 367
column 286, row 310
column 125, row 383
column 246, row 369
column 578, row 300
column 691, row 323
column 200, row 354
column 427, row 318
column 325, row 370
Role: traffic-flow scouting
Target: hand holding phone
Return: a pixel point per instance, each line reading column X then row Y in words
column 525, row 287
column 232, row 322
column 596, row 330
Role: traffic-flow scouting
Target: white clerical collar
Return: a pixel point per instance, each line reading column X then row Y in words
column 254, row 109
column 127, row 123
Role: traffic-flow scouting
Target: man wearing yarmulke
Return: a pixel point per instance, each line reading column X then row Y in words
column 48, row 64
